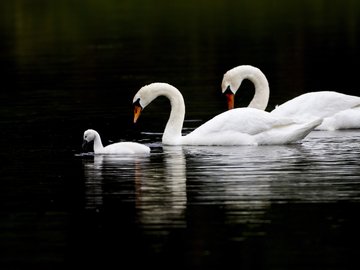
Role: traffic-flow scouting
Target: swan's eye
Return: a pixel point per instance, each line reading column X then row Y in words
column 137, row 103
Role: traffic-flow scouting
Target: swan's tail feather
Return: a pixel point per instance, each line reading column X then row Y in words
column 306, row 128
column 288, row 134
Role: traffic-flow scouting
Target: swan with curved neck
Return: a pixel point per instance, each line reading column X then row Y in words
column 242, row 126
column 338, row 111
column 233, row 78
column 115, row 148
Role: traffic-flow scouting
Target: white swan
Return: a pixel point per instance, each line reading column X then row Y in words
column 115, row 148
column 242, row 126
column 339, row 111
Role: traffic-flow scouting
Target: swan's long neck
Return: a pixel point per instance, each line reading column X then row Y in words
column 235, row 76
column 172, row 132
column 98, row 146
column 262, row 92
column 173, row 129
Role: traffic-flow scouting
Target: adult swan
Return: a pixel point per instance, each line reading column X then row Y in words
column 339, row 111
column 242, row 126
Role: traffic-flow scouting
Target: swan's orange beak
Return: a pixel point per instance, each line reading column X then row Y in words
column 137, row 112
column 230, row 100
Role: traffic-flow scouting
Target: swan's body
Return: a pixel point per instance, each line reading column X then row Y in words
column 242, row 126
column 338, row 111
column 115, row 148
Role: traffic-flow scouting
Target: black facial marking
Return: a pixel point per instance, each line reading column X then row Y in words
column 137, row 103
column 228, row 90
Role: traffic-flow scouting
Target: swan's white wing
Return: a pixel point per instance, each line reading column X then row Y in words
column 316, row 105
column 245, row 126
column 347, row 119
column 125, row 148
column 245, row 120
column 288, row 133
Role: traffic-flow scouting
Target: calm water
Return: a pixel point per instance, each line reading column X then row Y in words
column 71, row 65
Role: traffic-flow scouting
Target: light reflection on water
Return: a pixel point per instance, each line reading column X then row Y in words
column 157, row 188
column 244, row 180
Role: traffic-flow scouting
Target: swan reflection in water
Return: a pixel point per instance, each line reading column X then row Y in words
column 103, row 173
column 323, row 168
column 244, row 180
column 235, row 177
column 155, row 184
column 93, row 182
column 162, row 193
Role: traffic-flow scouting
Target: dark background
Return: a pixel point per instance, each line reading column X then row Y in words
column 60, row 60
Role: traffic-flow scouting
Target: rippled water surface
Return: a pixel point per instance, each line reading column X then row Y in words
column 248, row 205
column 324, row 168
column 66, row 66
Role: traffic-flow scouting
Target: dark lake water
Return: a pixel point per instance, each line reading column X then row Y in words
column 67, row 66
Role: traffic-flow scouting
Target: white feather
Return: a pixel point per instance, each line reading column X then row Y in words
column 243, row 126
column 115, row 148
column 338, row 111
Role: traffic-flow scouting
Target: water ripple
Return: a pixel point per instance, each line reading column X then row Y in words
column 246, row 179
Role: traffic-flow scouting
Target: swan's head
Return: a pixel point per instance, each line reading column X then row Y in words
column 147, row 94
column 89, row 136
column 233, row 78
column 140, row 101
column 230, row 84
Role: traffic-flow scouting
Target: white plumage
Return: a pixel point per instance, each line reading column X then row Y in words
column 242, row 126
column 115, row 148
column 338, row 111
